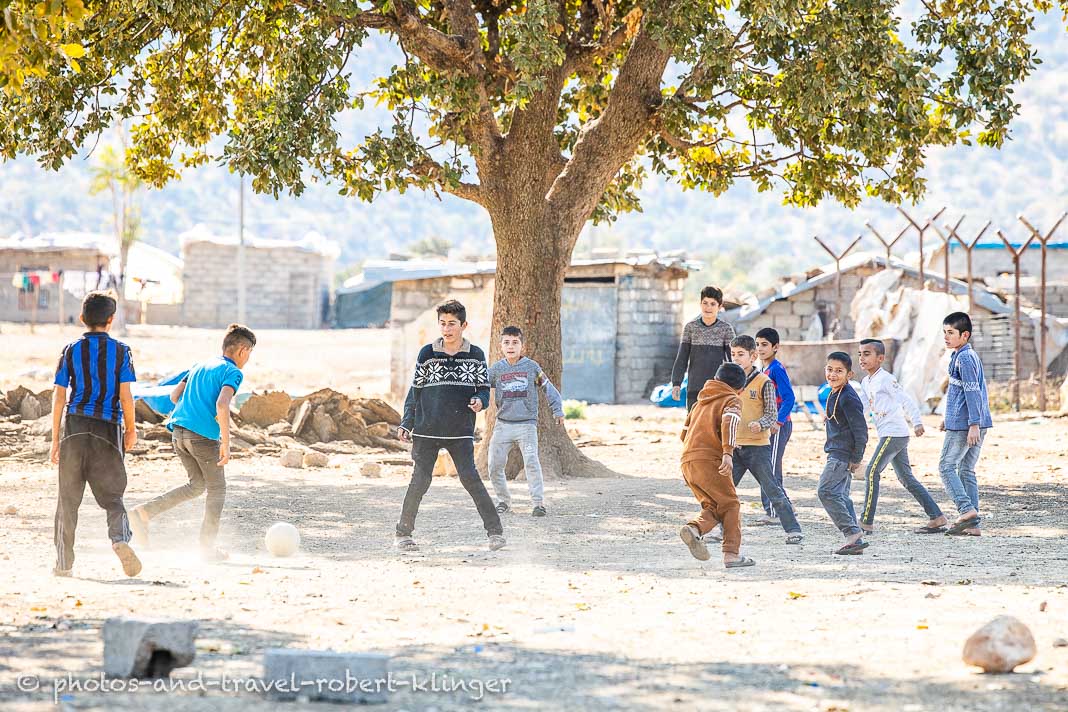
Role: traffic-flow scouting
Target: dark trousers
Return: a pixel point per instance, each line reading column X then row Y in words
column 200, row 456
column 90, row 453
column 778, row 446
column 462, row 452
column 894, row 451
column 757, row 459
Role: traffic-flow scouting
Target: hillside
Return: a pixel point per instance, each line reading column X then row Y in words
column 1030, row 176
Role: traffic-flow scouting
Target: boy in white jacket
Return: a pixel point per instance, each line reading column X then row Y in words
column 895, row 413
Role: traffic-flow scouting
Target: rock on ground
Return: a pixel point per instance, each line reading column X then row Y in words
column 144, row 648
column 292, row 458
column 265, row 409
column 1000, row 645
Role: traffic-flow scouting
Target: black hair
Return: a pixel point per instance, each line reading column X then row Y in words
column 97, row 308
column 959, row 321
column 238, row 335
column 512, row 331
column 455, row 308
column 731, row 374
column 770, row 334
column 879, row 346
column 744, row 341
column 842, row 357
column 711, row 292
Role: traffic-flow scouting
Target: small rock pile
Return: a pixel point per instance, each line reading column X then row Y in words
column 23, row 422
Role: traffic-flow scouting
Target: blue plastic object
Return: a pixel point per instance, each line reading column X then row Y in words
column 661, row 396
column 158, row 395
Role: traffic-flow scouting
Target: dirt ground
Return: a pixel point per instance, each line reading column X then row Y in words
column 598, row 606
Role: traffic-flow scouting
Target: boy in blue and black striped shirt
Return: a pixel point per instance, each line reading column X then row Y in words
column 97, row 430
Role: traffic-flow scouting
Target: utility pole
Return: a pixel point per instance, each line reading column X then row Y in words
column 241, row 312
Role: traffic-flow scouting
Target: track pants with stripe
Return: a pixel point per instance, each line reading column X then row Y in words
column 894, row 451
column 90, row 453
column 718, row 499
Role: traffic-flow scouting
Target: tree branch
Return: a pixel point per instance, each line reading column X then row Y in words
column 487, row 132
column 429, row 168
column 581, row 58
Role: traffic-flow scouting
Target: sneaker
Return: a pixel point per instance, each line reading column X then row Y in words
column 769, row 520
column 213, row 554
column 131, row 565
column 405, row 543
column 795, row 538
column 139, row 526
column 65, row 573
column 692, row 538
column 502, row 507
column 538, row 511
column 496, row 541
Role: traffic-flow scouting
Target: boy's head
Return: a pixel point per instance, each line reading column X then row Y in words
column 711, row 302
column 767, row 344
column 839, row 368
column 238, row 344
column 512, row 342
column 98, row 310
column 731, row 374
column 956, row 330
column 452, row 320
column 743, row 351
column 872, row 354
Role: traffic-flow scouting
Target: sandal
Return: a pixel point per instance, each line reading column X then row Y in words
column 740, row 563
column 406, row 543
column 958, row 527
column 795, row 538
column 853, row 549
column 929, row 530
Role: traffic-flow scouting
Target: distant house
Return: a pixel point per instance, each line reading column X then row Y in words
column 288, row 283
column 621, row 319
column 43, row 278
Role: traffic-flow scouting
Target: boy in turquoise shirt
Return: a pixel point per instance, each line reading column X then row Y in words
column 200, row 424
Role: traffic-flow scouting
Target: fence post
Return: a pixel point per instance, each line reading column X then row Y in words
column 945, row 245
column 1042, row 296
column 888, row 245
column 968, row 247
column 920, row 231
column 1016, row 254
column 836, row 324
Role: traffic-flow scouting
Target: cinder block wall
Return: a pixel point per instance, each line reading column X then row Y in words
column 649, row 326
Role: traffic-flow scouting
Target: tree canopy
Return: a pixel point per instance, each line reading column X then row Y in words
column 822, row 99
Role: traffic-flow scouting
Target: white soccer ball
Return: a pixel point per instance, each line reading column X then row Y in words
column 282, row 539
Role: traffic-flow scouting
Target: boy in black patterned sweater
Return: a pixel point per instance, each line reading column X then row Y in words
column 450, row 386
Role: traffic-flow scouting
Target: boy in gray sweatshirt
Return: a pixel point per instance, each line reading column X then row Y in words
column 514, row 380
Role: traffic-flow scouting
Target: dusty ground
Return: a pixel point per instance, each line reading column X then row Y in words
column 598, row 606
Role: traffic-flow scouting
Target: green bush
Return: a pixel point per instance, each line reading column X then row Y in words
column 575, row 410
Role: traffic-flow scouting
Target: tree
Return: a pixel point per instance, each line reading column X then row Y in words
column 110, row 174
column 32, row 39
column 547, row 113
column 435, row 246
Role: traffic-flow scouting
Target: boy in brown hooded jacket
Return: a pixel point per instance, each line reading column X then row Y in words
column 708, row 465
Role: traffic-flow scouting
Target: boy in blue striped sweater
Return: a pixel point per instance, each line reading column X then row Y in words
column 967, row 420
column 96, row 432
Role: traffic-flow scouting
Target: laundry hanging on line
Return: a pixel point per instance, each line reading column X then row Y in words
column 33, row 279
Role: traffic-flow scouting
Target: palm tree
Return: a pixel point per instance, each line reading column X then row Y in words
column 110, row 173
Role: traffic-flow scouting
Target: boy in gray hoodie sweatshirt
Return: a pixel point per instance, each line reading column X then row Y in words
column 514, row 380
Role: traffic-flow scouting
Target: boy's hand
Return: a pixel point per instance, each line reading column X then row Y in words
column 54, row 457
column 919, row 430
column 973, row 435
column 854, row 466
column 726, row 467
column 475, row 404
column 754, row 427
column 775, row 429
column 560, row 420
column 404, row 435
column 676, row 391
column 224, row 454
column 942, row 426
column 129, row 439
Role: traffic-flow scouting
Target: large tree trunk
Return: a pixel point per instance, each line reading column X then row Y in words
column 532, row 256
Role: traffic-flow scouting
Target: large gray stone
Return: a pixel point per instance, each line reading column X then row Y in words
column 325, row 675
column 147, row 648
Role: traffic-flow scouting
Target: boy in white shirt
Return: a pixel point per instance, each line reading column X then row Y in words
column 895, row 413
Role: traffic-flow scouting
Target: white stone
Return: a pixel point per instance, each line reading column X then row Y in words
column 147, row 648
column 292, row 458
column 282, row 539
column 1000, row 645
column 371, row 469
column 316, row 459
column 325, row 675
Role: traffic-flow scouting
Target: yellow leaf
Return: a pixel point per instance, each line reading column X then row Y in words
column 75, row 66
column 74, row 51
column 921, row 627
column 38, row 608
column 582, row 606
column 794, row 595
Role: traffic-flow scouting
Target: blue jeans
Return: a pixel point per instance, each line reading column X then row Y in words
column 757, row 459
column 778, row 447
column 894, row 451
column 833, row 492
column 957, row 467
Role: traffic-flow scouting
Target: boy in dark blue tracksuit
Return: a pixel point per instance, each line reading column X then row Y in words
column 847, row 436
